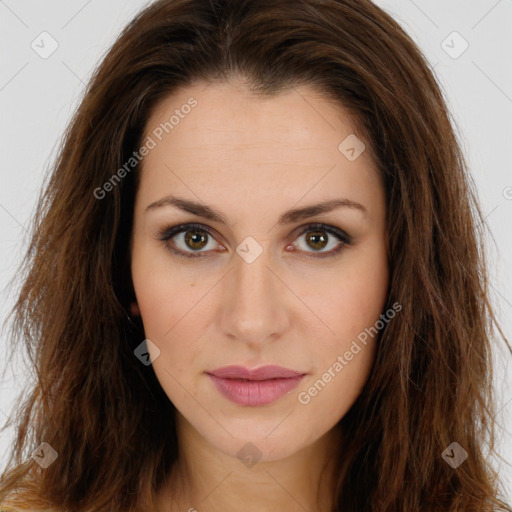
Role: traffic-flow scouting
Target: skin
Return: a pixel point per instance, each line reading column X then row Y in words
column 253, row 159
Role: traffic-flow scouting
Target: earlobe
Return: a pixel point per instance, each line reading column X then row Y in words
column 134, row 309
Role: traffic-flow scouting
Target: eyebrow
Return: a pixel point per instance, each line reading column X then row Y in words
column 289, row 217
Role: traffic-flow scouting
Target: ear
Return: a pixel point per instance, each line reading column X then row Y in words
column 134, row 309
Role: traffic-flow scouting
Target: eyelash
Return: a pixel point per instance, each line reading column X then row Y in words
column 167, row 233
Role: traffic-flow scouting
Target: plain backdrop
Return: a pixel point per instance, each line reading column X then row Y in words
column 469, row 44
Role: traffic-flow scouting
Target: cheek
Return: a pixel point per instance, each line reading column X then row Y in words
column 163, row 292
column 341, row 368
column 166, row 324
column 171, row 308
column 353, row 296
column 350, row 304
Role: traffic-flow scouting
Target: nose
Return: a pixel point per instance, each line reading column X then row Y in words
column 255, row 302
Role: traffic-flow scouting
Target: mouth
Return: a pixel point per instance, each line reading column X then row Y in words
column 257, row 387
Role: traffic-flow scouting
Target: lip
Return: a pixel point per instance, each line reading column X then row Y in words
column 255, row 387
column 262, row 373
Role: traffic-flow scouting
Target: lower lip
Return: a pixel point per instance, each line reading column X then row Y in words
column 255, row 392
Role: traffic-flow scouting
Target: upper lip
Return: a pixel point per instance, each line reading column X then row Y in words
column 261, row 373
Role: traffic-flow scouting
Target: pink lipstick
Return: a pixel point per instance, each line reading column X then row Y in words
column 260, row 386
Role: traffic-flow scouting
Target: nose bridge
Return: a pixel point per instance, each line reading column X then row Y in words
column 252, row 278
column 254, row 308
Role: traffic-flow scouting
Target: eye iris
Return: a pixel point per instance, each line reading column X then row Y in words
column 317, row 237
column 195, row 238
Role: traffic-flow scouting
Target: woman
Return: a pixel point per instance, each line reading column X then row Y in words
column 256, row 277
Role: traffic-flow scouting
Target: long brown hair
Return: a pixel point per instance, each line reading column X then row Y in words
column 106, row 415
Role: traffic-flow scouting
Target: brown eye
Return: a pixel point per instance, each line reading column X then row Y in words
column 196, row 239
column 193, row 241
column 188, row 240
column 316, row 239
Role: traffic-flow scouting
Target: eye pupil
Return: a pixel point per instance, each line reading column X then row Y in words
column 318, row 237
column 195, row 238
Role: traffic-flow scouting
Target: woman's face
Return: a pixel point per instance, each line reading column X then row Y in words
column 262, row 285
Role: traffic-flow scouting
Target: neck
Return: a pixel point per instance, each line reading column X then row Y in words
column 208, row 480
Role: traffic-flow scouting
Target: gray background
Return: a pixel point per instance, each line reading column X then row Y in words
column 38, row 96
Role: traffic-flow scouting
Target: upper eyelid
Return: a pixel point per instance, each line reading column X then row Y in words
column 181, row 228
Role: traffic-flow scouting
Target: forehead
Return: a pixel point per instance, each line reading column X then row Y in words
column 233, row 142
